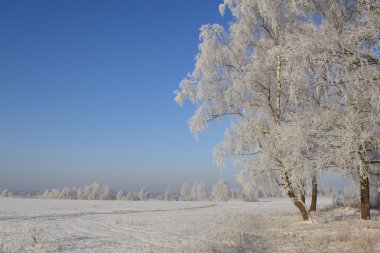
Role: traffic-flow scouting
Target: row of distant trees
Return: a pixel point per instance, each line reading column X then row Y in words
column 94, row 191
column 196, row 192
column 220, row 192
column 98, row 191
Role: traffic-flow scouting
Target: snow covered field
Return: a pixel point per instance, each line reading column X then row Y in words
column 40, row 225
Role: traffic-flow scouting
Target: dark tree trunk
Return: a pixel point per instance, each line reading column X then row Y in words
column 364, row 189
column 364, row 198
column 314, row 194
column 303, row 191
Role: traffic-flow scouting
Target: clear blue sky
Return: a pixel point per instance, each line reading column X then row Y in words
column 86, row 94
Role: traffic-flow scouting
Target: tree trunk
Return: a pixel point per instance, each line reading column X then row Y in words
column 303, row 191
column 364, row 189
column 364, row 198
column 314, row 194
column 299, row 204
column 296, row 201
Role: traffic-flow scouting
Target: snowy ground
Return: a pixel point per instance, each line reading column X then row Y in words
column 39, row 225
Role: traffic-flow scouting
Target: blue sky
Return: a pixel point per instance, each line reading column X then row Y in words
column 86, row 94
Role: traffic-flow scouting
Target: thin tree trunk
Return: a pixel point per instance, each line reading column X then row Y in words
column 303, row 198
column 314, row 194
column 364, row 189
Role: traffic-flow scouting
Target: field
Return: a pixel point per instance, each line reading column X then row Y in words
column 39, row 225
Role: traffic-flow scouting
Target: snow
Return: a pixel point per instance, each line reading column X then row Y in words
column 44, row 225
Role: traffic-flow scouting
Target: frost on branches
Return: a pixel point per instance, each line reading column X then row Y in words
column 339, row 69
column 221, row 191
column 299, row 82
column 195, row 193
column 94, row 191
column 185, row 194
column 240, row 73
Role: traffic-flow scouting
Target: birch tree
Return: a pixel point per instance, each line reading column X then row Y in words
column 339, row 61
column 240, row 74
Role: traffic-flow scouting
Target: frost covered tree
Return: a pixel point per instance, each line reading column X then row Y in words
column 198, row 191
column 95, row 191
column 53, row 194
column 339, row 60
column 143, row 193
column 108, row 194
column 98, row 191
column 68, row 193
column 221, row 191
column 248, row 193
column 167, row 194
column 185, row 194
column 300, row 134
column 241, row 73
column 119, row 195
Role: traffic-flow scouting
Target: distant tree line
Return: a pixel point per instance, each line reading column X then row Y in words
column 94, row 191
column 196, row 192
